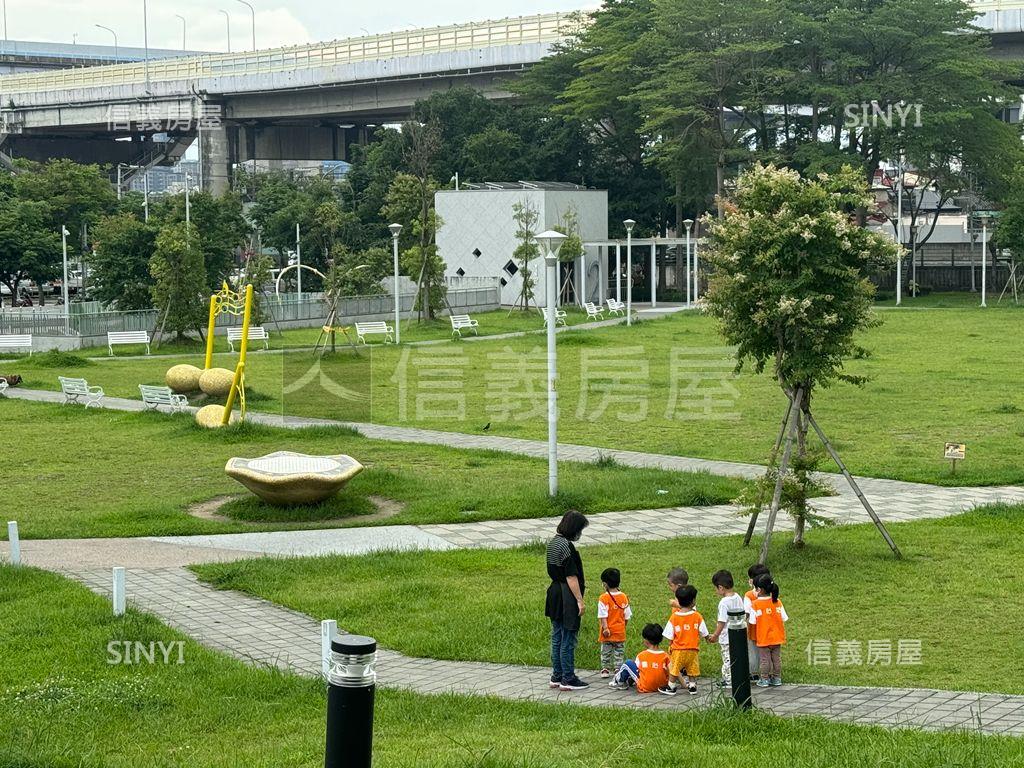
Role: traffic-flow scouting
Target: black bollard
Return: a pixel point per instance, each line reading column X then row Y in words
column 351, row 683
column 739, row 659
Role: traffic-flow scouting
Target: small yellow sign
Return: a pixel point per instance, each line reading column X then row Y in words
column 955, row 451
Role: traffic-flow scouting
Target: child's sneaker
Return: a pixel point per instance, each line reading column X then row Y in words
column 723, row 683
column 575, row 684
column 692, row 688
column 668, row 690
column 606, row 672
column 776, row 682
column 763, row 683
column 617, row 685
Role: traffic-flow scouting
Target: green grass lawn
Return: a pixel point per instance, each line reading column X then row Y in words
column 63, row 706
column 935, row 376
column 950, row 300
column 952, row 591
column 72, row 472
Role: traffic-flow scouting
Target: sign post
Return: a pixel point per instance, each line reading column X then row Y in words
column 955, row 452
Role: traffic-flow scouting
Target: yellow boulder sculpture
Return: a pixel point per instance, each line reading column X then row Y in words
column 183, row 378
column 211, row 416
column 286, row 479
column 216, row 382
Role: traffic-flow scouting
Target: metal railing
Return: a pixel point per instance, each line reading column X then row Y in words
column 543, row 28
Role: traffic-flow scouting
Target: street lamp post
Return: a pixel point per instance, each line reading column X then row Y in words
column 551, row 241
column 984, row 257
column 974, row 256
column 629, row 224
column 913, row 260
column 396, row 230
column 252, row 11
column 188, row 204
column 64, row 286
column 899, row 233
column 117, row 58
column 184, row 30
column 688, row 223
column 227, row 22
column 145, row 194
column 298, row 261
column 145, row 41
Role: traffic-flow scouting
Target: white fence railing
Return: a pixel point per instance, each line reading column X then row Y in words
column 544, row 28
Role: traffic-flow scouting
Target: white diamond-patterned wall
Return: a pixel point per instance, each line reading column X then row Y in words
column 480, row 220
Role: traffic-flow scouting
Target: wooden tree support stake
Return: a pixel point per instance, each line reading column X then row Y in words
column 771, row 463
column 853, row 484
column 773, row 511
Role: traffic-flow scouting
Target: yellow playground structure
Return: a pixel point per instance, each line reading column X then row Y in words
column 218, row 382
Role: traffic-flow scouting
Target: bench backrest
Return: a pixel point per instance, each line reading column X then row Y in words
column 155, row 393
column 461, row 320
column 74, row 386
column 16, row 340
column 379, row 325
column 127, row 337
column 591, row 308
column 255, row 332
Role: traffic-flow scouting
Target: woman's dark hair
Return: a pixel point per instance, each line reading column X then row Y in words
column 572, row 525
column 765, row 584
column 611, row 577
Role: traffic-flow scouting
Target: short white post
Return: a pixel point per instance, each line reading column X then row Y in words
column 12, row 535
column 119, row 598
column 654, row 275
column 328, row 631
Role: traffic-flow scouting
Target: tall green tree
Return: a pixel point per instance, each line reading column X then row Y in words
column 119, row 274
column 179, row 279
column 29, row 247
column 790, row 289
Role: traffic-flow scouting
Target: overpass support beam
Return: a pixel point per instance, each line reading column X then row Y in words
column 218, row 154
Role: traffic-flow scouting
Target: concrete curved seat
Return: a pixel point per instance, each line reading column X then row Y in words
column 285, row 478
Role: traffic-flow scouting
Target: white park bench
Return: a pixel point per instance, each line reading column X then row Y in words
column 74, row 389
column 559, row 317
column 615, row 307
column 594, row 312
column 126, row 337
column 3, row 387
column 379, row 327
column 256, row 333
column 461, row 322
column 17, row 341
column 155, row 396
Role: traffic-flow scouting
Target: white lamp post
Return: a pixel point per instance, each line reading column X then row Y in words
column 188, row 204
column 117, row 58
column 396, row 230
column 64, row 286
column 184, row 30
column 688, row 223
column 227, row 21
column 696, row 263
column 629, row 224
column 298, row 261
column 252, row 11
column 551, row 242
column 145, row 41
column 899, row 233
column 984, row 256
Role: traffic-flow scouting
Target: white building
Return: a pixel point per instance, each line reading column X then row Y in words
column 477, row 236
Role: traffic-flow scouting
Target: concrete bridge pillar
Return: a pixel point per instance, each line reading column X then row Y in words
column 218, row 155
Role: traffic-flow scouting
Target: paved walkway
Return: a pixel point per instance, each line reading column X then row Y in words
column 260, row 632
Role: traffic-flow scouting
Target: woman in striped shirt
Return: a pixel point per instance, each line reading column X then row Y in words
column 564, row 605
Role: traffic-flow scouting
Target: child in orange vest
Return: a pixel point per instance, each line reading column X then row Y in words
column 769, row 618
column 649, row 671
column 613, row 614
column 753, row 655
column 684, row 629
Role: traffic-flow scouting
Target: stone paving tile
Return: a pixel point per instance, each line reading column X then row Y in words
column 263, row 633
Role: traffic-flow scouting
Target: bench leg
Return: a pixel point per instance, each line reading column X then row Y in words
column 110, row 350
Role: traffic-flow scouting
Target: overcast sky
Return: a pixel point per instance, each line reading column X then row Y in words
column 278, row 22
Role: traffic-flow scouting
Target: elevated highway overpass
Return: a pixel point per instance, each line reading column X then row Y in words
column 307, row 102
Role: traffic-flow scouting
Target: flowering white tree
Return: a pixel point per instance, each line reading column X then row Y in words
column 790, row 288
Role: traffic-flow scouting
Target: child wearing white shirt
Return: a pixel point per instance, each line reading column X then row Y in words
column 729, row 601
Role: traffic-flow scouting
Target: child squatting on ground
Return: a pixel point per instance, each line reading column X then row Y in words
column 684, row 629
column 649, row 671
column 768, row 618
column 613, row 614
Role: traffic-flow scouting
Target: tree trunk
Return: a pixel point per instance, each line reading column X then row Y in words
column 802, row 424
